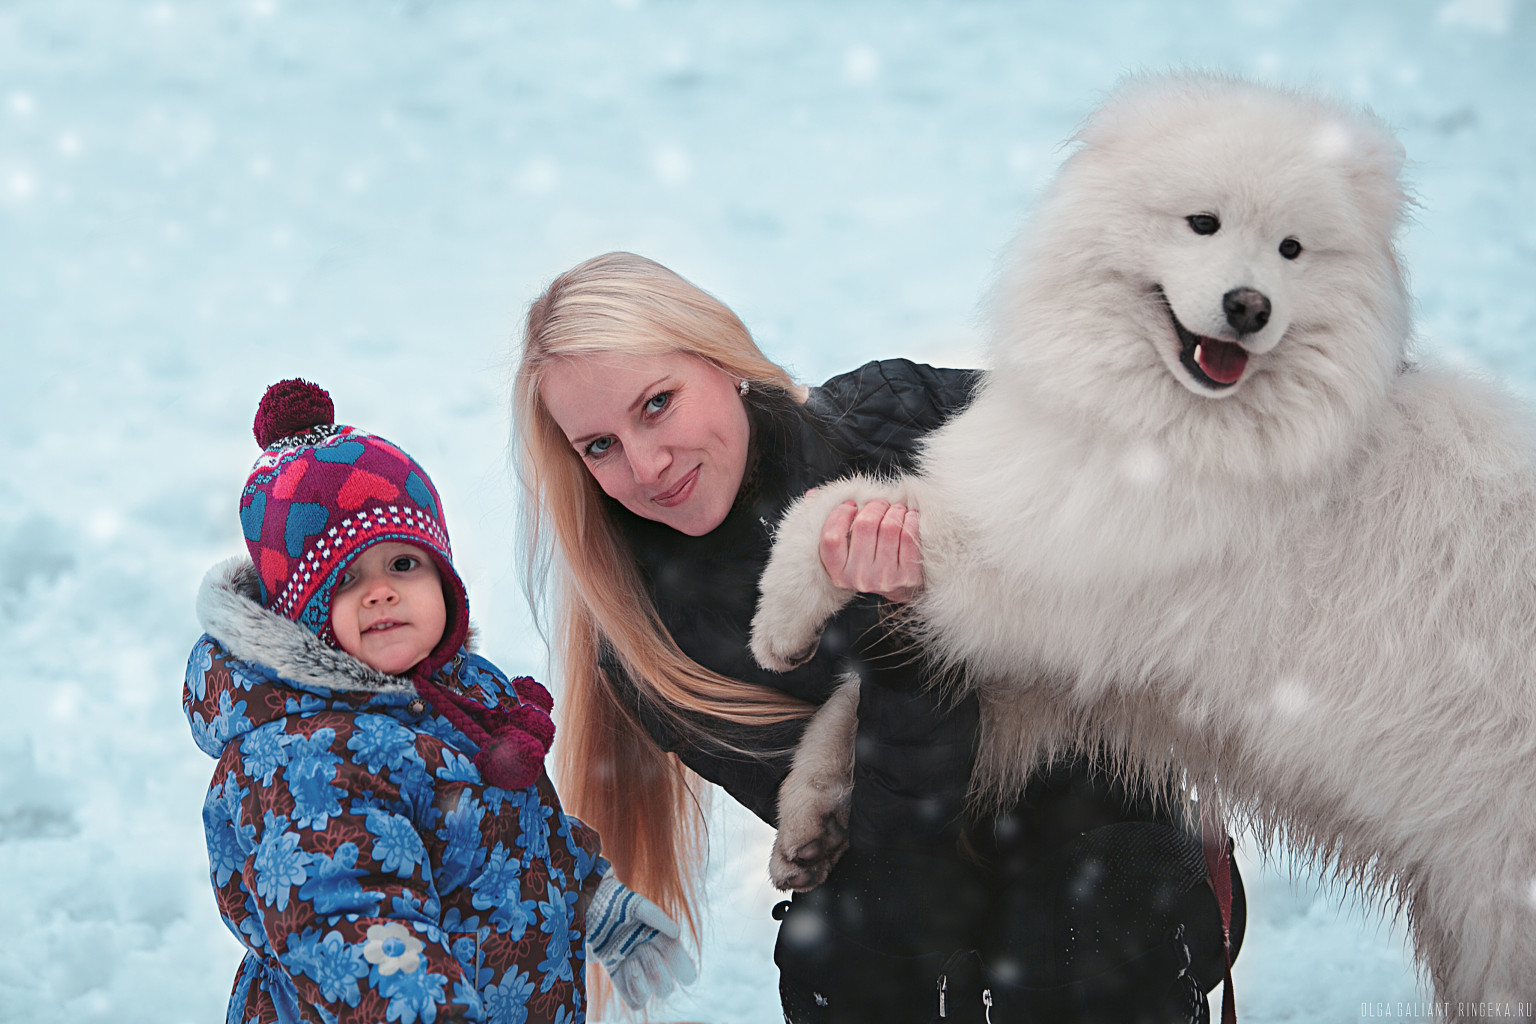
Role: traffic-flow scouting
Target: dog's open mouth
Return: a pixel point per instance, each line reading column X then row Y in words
column 1215, row 363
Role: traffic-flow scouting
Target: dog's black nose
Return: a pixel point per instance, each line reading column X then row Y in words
column 1247, row 310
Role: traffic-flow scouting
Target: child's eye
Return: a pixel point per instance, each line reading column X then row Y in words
column 347, row 579
column 598, row 447
column 657, row 402
column 403, row 563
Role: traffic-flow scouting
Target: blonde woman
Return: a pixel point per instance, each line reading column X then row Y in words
column 656, row 446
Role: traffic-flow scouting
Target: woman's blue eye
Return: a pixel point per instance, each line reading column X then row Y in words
column 653, row 405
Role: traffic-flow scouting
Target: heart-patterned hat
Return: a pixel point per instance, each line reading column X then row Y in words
column 320, row 495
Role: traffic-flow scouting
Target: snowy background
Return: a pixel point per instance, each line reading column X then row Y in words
column 197, row 199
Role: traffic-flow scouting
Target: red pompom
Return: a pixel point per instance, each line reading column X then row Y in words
column 291, row 407
column 531, row 691
column 511, row 760
column 533, row 721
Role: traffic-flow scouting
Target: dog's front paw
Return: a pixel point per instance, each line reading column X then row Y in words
column 777, row 655
column 815, row 797
column 797, row 598
column 803, row 857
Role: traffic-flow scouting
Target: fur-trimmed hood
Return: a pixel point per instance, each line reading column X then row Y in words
column 274, row 666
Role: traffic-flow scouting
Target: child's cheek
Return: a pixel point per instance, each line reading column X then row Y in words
column 346, row 638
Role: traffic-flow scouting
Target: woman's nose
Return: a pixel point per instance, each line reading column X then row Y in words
column 649, row 462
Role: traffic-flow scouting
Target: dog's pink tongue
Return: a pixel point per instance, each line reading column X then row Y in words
column 1222, row 361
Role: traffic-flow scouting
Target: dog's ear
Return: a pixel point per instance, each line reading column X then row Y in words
column 1369, row 156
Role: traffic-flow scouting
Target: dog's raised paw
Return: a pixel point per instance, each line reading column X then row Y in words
column 782, row 658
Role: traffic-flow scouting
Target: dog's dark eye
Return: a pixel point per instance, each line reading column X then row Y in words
column 1290, row 248
column 1203, row 224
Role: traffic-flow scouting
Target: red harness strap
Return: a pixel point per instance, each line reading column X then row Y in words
column 1218, row 866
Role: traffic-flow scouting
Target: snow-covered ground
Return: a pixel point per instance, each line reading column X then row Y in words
column 199, row 198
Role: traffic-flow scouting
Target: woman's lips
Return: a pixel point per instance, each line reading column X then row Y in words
column 679, row 494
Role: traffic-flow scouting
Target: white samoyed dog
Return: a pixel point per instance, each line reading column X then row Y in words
column 1208, row 510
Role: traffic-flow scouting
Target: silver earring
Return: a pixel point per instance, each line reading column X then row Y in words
column 743, row 388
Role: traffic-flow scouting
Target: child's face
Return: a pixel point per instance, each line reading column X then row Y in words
column 387, row 610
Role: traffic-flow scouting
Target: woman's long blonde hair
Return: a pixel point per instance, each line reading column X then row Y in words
column 613, row 776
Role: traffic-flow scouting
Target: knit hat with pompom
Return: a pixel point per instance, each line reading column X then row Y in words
column 320, row 495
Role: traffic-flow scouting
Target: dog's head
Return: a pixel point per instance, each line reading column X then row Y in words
column 1233, row 241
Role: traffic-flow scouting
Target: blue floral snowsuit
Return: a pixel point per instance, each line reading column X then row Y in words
column 355, row 851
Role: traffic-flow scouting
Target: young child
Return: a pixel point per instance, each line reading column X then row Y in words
column 382, row 836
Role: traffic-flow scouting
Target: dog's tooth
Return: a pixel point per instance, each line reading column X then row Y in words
column 1197, row 354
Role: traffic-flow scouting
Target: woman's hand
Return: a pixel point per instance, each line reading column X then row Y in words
column 873, row 549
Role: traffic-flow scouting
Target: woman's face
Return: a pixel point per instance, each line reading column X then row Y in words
column 665, row 436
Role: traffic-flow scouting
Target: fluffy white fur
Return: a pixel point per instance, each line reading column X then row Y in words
column 1314, row 590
